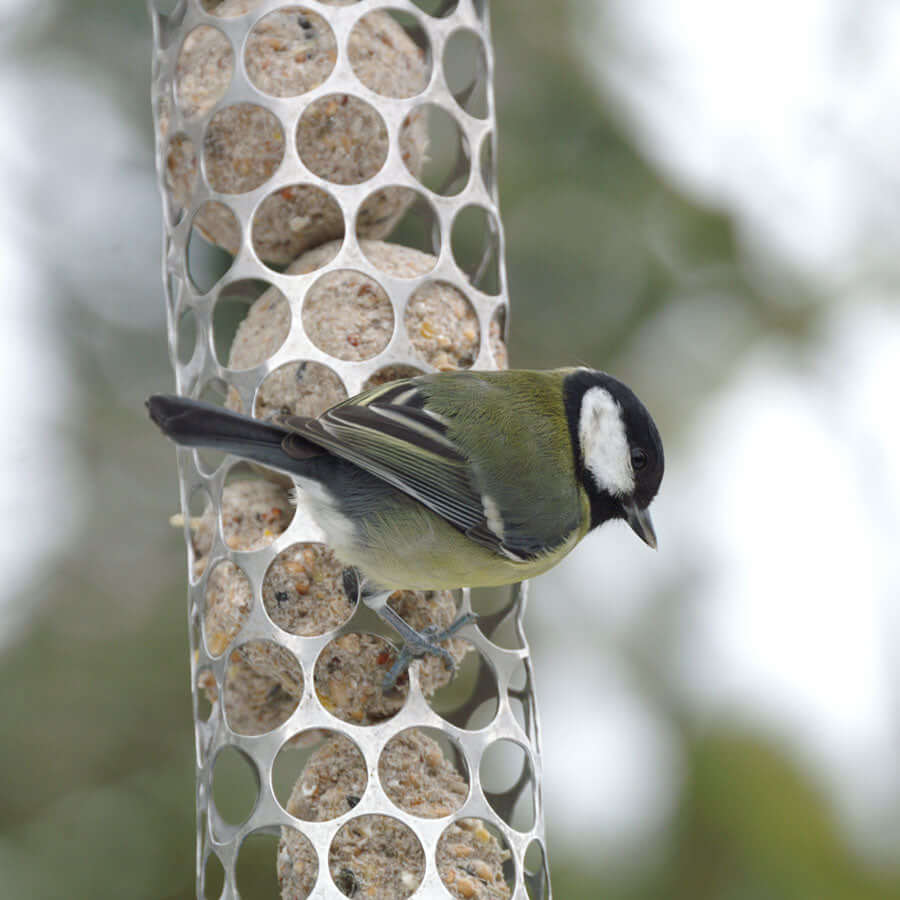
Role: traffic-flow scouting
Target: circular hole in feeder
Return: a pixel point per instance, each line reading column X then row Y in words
column 507, row 779
column 298, row 389
column 487, row 162
column 214, row 240
column 390, row 53
column 471, row 699
column 263, row 684
column 349, row 676
column 213, row 877
column 258, row 865
column 290, row 51
column 298, row 865
column 348, row 315
column 411, row 221
column 251, row 321
column 446, row 168
column 293, row 219
column 465, row 68
column 242, row 148
column 369, row 850
column 537, row 878
column 442, row 326
column 439, row 9
column 521, row 698
column 227, row 604
column 186, row 336
column 254, row 510
column 497, row 608
column 203, row 70
column 303, row 590
column 424, row 772
column 471, row 851
column 235, row 787
column 342, row 139
column 180, row 178
column 475, row 240
column 319, row 775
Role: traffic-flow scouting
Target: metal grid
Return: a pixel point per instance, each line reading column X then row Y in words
column 508, row 669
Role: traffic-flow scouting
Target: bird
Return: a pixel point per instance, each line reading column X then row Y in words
column 452, row 479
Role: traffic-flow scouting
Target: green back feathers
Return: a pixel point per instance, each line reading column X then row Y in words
column 512, row 427
column 489, row 452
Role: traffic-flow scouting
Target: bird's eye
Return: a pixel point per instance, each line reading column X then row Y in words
column 638, row 458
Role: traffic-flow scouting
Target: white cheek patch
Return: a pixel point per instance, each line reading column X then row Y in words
column 604, row 446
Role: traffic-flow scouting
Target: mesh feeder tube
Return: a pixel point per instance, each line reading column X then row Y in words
column 330, row 223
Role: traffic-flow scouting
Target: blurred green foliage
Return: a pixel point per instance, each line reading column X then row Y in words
column 751, row 825
column 96, row 762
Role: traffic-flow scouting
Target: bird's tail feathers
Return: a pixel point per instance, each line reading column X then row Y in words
column 192, row 423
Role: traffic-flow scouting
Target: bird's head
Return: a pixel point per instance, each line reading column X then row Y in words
column 619, row 454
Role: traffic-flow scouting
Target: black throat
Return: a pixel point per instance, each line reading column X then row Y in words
column 603, row 506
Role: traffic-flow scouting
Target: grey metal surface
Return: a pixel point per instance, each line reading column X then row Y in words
column 516, row 717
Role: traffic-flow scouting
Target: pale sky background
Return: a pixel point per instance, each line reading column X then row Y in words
column 796, row 629
column 793, row 129
column 787, row 116
column 32, row 372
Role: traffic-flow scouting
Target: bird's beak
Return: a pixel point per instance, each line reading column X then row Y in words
column 640, row 522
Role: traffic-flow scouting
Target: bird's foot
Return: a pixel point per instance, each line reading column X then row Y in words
column 416, row 644
column 427, row 642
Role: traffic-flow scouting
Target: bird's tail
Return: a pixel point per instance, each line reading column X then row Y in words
column 192, row 423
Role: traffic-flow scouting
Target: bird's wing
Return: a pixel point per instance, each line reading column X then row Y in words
column 391, row 433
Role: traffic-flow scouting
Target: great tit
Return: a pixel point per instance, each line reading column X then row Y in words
column 453, row 479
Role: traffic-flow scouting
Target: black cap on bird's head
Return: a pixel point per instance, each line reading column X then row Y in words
column 619, row 453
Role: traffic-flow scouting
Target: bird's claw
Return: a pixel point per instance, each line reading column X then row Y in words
column 426, row 642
